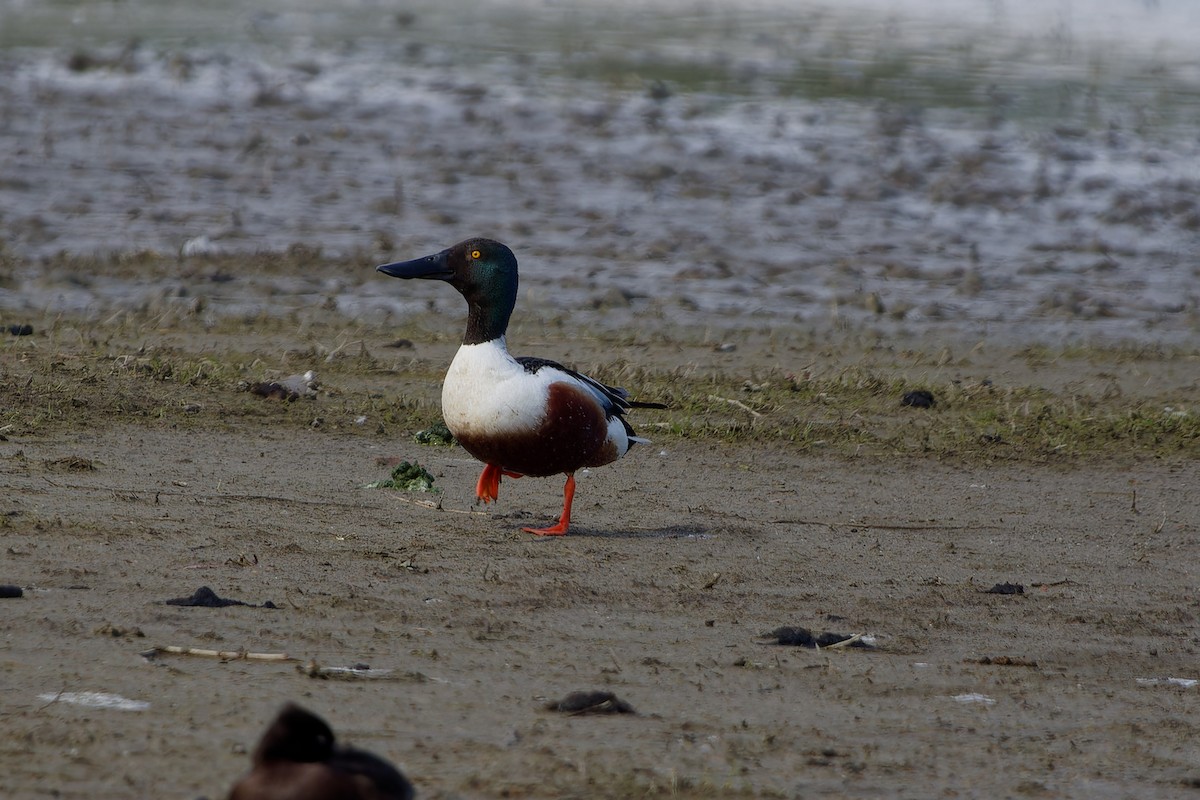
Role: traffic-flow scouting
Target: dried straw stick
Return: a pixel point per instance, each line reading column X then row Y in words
column 227, row 655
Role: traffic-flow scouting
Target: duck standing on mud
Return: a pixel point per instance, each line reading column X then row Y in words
column 519, row 416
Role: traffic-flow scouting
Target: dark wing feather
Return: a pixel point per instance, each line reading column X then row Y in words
column 618, row 398
column 618, row 401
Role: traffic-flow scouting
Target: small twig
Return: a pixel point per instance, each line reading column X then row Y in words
column 53, row 700
column 883, row 527
column 227, row 655
column 843, row 642
column 436, row 506
column 737, row 403
column 334, row 353
column 195, row 497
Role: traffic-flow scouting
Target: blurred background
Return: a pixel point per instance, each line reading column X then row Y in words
column 1022, row 169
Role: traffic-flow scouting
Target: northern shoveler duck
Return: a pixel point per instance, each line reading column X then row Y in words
column 297, row 759
column 519, row 416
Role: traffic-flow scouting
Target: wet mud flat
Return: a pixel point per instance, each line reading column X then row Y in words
column 193, row 554
column 436, row 637
column 766, row 175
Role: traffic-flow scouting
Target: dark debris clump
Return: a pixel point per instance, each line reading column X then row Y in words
column 205, row 597
column 1006, row 588
column 803, row 637
column 918, row 398
column 590, row 703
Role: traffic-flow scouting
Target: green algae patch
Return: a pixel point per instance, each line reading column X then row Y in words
column 436, row 435
column 407, row 478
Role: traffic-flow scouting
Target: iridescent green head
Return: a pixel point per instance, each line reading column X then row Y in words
column 484, row 272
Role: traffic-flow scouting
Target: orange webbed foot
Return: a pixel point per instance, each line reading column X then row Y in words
column 554, row 530
column 564, row 521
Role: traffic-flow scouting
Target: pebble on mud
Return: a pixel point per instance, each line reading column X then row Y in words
column 8, row 590
column 1006, row 588
column 591, row 703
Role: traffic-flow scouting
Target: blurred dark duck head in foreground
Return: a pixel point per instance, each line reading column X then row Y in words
column 298, row 759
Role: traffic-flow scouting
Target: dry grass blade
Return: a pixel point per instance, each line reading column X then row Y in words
column 737, row 403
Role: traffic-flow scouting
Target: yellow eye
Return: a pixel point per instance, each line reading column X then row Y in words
column 475, row 254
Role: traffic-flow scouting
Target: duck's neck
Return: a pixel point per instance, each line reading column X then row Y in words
column 487, row 316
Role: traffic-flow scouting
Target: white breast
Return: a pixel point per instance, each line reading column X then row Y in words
column 488, row 392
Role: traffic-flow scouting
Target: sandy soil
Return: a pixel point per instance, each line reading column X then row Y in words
column 681, row 558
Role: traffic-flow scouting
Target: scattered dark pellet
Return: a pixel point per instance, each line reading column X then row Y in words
column 1003, row 661
column 591, row 703
column 803, row 637
column 71, row 464
column 7, row 590
column 207, row 598
column 20, row 330
column 1006, row 588
column 918, row 398
column 117, row 632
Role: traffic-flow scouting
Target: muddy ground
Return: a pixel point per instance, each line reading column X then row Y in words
column 681, row 558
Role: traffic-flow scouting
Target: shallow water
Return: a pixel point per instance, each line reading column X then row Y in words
column 1029, row 173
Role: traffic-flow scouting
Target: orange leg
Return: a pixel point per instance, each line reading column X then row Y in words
column 564, row 521
column 488, row 487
